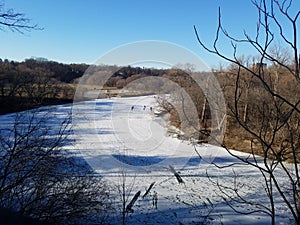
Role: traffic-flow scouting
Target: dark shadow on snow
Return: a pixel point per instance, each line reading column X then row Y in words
column 138, row 160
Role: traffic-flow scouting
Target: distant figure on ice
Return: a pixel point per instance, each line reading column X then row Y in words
column 144, row 107
column 150, row 108
column 132, row 107
column 154, row 199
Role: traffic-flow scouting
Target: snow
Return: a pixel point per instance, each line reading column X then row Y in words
column 133, row 147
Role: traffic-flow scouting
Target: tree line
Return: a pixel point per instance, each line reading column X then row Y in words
column 35, row 82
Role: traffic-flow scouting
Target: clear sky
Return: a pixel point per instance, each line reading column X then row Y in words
column 80, row 31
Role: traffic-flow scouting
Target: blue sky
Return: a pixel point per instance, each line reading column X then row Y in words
column 80, row 31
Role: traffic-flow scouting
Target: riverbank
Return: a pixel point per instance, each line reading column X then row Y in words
column 18, row 104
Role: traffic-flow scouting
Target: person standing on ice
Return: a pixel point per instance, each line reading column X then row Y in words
column 154, row 199
column 132, row 107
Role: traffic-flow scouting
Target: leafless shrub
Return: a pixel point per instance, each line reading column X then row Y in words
column 41, row 180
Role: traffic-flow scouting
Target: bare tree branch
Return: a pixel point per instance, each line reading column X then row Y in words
column 15, row 21
column 277, row 113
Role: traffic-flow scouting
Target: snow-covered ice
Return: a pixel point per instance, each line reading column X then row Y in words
column 132, row 147
column 135, row 143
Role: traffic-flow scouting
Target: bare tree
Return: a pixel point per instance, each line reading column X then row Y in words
column 125, row 189
column 15, row 21
column 41, row 180
column 276, row 128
